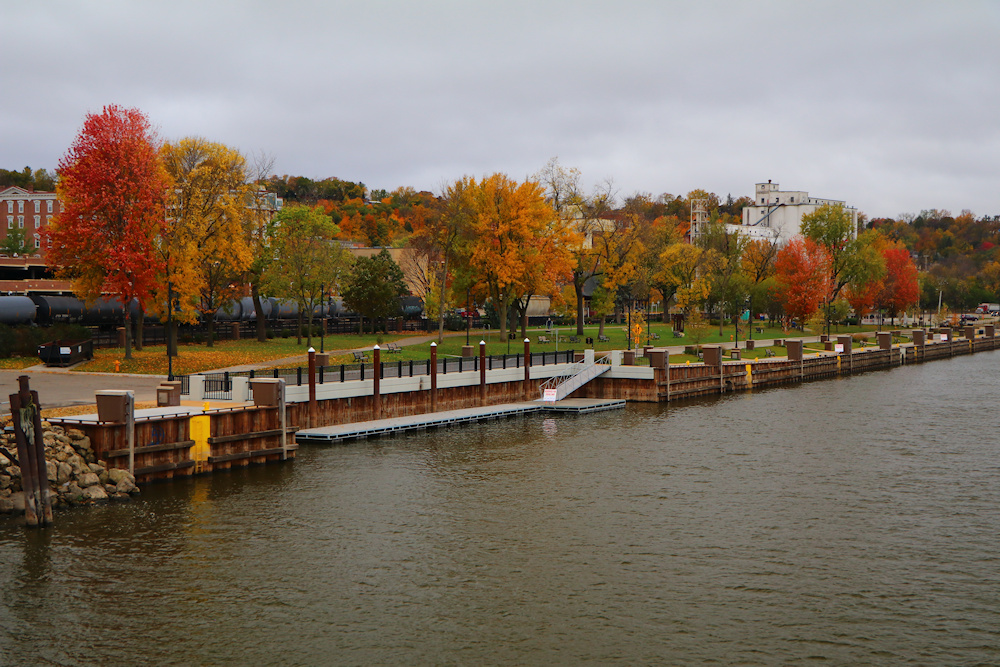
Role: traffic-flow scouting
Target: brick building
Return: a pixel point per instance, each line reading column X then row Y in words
column 27, row 211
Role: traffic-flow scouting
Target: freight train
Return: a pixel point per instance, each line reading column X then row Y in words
column 45, row 310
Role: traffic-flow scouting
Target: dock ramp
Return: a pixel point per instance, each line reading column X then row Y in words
column 579, row 374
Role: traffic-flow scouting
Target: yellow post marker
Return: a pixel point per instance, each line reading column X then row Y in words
column 749, row 375
column 205, row 406
column 200, row 428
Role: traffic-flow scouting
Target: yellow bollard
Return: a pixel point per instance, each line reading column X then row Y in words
column 205, row 407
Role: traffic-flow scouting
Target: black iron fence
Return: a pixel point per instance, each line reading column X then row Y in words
column 220, row 385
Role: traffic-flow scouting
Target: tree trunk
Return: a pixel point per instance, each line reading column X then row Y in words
column 298, row 328
column 210, row 322
column 261, row 320
column 137, row 338
column 128, row 335
column 309, row 328
column 578, row 288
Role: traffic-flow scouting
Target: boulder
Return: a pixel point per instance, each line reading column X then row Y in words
column 17, row 499
column 111, row 489
column 94, row 468
column 6, row 506
column 14, row 471
column 4, row 481
column 75, row 434
column 88, row 479
column 64, row 472
column 125, row 485
column 116, row 475
column 95, row 492
column 51, row 470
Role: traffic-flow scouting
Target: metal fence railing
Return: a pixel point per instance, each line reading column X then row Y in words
column 219, row 385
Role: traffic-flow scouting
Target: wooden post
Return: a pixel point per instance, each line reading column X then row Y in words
column 434, row 377
column 312, row 386
column 282, row 419
column 527, row 367
column 482, row 372
column 26, row 414
column 130, row 429
column 377, row 371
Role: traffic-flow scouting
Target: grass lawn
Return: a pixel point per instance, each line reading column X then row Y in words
column 197, row 358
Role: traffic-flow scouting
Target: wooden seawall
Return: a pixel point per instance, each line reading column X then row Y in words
column 187, row 441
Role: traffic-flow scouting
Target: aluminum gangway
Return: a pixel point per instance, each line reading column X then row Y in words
column 578, row 375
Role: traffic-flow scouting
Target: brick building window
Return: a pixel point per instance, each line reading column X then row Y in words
column 10, row 222
column 48, row 206
column 38, row 221
column 20, row 206
column 38, row 206
column 20, row 222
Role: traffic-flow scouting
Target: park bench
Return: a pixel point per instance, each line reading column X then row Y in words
column 604, row 339
column 572, row 339
column 393, row 347
column 678, row 334
column 768, row 352
column 759, row 330
column 360, row 357
column 543, row 340
column 654, row 336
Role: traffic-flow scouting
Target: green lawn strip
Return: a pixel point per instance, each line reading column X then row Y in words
column 17, row 363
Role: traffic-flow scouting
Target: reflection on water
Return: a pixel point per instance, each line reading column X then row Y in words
column 854, row 520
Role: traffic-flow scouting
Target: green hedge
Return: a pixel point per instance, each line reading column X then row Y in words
column 23, row 341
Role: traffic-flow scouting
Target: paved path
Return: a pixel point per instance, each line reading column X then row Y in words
column 58, row 387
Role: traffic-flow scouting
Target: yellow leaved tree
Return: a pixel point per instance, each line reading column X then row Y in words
column 205, row 245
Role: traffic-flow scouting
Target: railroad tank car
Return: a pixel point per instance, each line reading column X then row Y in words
column 16, row 310
column 105, row 311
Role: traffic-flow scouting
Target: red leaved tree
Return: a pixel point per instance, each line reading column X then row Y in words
column 803, row 275
column 900, row 288
column 112, row 187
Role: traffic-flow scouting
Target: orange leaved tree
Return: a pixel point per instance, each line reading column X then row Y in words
column 803, row 272
column 112, row 187
column 900, row 288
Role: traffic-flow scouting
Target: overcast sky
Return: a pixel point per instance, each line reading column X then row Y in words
column 890, row 106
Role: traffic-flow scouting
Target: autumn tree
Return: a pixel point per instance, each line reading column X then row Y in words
column 682, row 277
column 437, row 242
column 112, row 187
column 514, row 242
column 758, row 267
column 730, row 285
column 851, row 258
column 307, row 264
column 803, row 274
column 900, row 288
column 205, row 249
column 374, row 288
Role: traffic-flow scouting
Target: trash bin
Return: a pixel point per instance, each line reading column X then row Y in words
column 265, row 392
column 111, row 406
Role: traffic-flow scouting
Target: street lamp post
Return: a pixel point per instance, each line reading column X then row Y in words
column 322, row 315
column 468, row 320
column 170, row 329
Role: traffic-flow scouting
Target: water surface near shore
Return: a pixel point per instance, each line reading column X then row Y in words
column 855, row 520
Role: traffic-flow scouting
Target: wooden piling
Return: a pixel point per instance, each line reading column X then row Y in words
column 27, row 417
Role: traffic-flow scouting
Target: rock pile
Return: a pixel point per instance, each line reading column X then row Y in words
column 75, row 476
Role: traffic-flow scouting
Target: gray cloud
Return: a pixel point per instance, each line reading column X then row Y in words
column 887, row 105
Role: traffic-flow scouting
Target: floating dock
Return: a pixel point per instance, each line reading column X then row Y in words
column 381, row 427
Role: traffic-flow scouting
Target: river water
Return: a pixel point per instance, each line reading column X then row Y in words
column 848, row 521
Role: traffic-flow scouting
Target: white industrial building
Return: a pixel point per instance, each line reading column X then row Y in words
column 778, row 213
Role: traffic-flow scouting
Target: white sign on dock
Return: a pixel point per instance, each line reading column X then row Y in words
column 549, row 395
column 838, row 347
